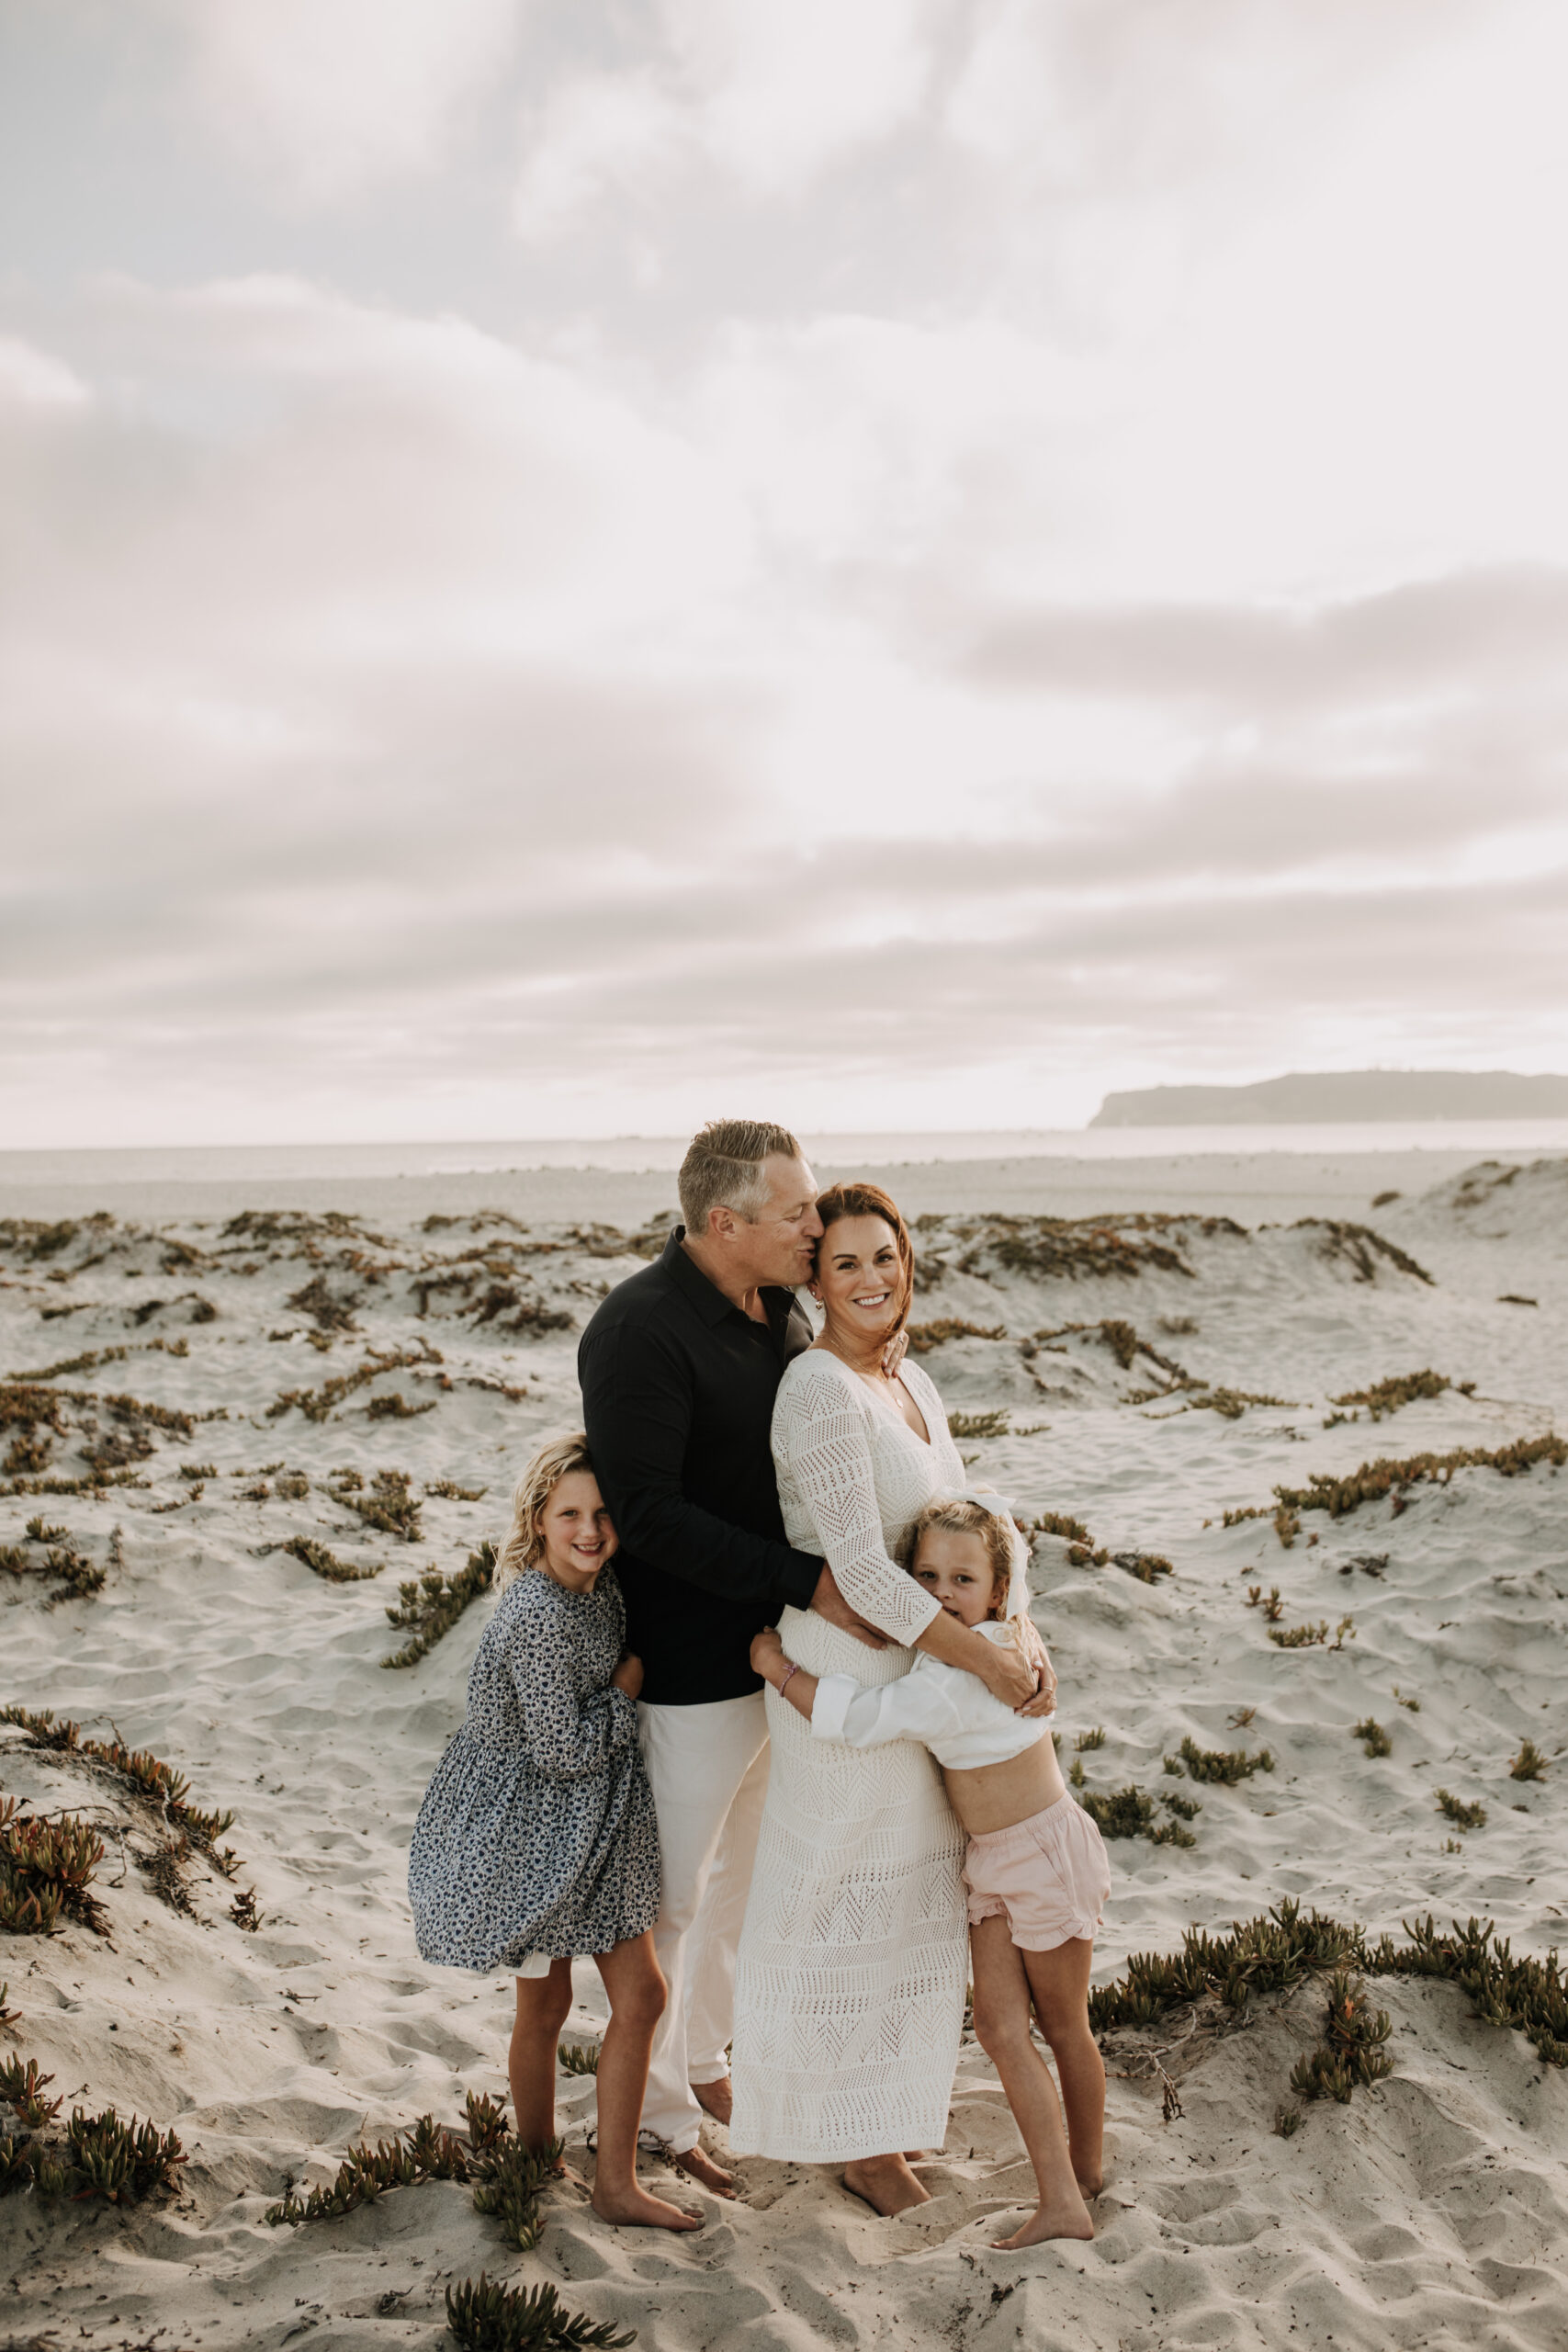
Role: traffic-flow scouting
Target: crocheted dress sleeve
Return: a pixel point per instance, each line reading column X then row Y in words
column 823, row 1434
column 569, row 1733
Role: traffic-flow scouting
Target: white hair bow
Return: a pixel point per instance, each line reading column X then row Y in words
column 1001, row 1507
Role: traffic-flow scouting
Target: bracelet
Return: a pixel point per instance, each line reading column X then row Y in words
column 783, row 1686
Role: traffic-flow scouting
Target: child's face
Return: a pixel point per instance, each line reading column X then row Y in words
column 956, row 1567
column 577, row 1535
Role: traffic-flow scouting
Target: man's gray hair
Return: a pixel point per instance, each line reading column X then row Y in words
column 723, row 1168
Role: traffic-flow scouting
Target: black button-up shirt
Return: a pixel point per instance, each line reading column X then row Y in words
column 678, row 1390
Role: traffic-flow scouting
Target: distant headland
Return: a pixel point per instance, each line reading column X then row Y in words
column 1325, row 1098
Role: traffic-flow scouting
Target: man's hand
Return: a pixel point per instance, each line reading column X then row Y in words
column 829, row 1602
column 1043, row 1702
column 628, row 1676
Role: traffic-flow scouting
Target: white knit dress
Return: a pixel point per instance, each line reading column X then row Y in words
column 849, row 1988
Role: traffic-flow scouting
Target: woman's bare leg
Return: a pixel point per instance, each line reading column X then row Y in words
column 637, row 1992
column 543, row 2004
column 1002, row 1997
column 887, row 2183
column 1059, row 1983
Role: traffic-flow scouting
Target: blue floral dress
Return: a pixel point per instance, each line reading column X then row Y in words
column 538, row 1833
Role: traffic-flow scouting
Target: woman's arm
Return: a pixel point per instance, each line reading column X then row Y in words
column 819, row 1433
column 1006, row 1672
column 565, row 1736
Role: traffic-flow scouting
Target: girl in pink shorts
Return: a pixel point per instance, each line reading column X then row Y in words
column 1036, row 1868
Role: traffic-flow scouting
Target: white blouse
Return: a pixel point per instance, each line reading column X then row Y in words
column 946, row 1709
column 853, row 1474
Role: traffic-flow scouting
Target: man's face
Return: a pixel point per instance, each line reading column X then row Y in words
column 779, row 1242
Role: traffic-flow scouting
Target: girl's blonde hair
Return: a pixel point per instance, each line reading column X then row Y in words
column 554, row 1462
column 961, row 1517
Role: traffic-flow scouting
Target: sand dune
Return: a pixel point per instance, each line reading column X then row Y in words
column 1432, row 2210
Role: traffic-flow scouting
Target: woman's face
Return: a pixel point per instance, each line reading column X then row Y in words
column 859, row 1279
column 576, row 1528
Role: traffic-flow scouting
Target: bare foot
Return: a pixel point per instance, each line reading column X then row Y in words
column 1068, row 2218
column 638, row 2210
column 716, row 2099
column 701, row 2167
column 886, row 2184
column 919, row 2155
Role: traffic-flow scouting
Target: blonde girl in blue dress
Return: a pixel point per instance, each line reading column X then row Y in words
column 536, row 1842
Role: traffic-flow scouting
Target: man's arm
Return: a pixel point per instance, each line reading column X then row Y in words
column 636, row 1403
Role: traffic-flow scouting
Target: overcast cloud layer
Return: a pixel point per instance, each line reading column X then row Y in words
column 569, row 566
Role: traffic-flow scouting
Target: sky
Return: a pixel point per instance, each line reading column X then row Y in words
column 572, row 568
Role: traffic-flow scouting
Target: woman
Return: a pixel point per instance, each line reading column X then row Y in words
column 850, row 1982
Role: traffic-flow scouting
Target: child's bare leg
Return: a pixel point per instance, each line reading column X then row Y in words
column 1059, row 1982
column 543, row 2004
column 1001, row 2025
column 637, row 1991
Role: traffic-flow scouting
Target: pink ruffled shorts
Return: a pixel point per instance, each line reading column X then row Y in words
column 1048, row 1876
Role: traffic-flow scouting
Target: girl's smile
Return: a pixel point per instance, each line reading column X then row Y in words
column 577, row 1530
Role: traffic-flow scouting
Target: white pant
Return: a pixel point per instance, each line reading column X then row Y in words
column 709, row 1768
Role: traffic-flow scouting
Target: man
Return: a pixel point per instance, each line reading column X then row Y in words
column 679, row 1370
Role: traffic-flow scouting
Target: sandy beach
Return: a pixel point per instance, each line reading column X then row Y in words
column 359, row 1368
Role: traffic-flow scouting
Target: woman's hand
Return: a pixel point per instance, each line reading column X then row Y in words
column 628, row 1676
column 893, row 1354
column 1008, row 1674
column 1043, row 1701
column 767, row 1653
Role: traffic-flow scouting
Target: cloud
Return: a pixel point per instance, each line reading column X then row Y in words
column 335, row 96
column 766, row 99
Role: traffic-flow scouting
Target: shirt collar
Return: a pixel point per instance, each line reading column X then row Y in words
column 709, row 1299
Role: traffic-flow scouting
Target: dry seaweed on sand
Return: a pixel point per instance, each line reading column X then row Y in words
column 1463, row 1816
column 450, row 1491
column 1308, row 1638
column 1082, row 1550
column 1530, row 1764
column 577, row 2057
column 1147, row 1566
column 1374, row 1739
column 1278, row 1950
column 432, row 1605
column 323, row 1562
column 1351, row 2052
column 390, row 1505
column 1360, row 1248
column 486, row 2316
column 136, row 1769
column 317, row 1403
column 978, row 1425
column 46, row 1869
column 328, row 1310
column 1374, row 1480
column 507, row 2176
column 1048, row 1247
column 1231, row 1403
column 77, row 1578
column 1391, row 1396
column 396, row 1407
column 1228, row 1765
column 924, row 1337
column 1129, row 1813
column 96, row 2156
